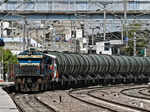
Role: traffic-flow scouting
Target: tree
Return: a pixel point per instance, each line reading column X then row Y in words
column 8, row 58
column 142, row 39
column 5, row 1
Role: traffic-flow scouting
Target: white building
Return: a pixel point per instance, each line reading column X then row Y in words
column 16, row 44
column 7, row 30
column 105, row 47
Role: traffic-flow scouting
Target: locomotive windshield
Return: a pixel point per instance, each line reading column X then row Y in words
column 30, row 61
column 29, row 65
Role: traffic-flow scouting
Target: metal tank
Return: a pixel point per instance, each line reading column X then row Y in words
column 75, row 64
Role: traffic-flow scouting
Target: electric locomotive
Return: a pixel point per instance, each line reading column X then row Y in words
column 34, row 71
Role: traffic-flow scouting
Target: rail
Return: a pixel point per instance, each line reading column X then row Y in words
column 89, row 103
column 105, row 100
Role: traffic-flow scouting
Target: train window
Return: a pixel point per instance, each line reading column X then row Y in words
column 30, row 52
column 33, row 60
column 49, row 61
column 36, row 53
column 24, row 52
column 106, row 46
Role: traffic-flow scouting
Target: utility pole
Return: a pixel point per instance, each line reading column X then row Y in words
column 24, row 34
column 28, row 39
column 54, row 37
column 104, row 21
column 122, row 35
column 74, row 36
column 2, row 53
column 12, row 31
column 91, row 48
column 125, row 18
column 1, row 22
column 125, row 11
column 43, row 34
column 92, row 37
column 145, row 54
column 2, row 66
column 71, row 37
column 134, row 49
column 105, row 18
column 43, row 38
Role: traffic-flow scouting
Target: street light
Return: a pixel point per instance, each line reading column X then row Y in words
column 104, row 9
column 93, row 39
column 24, row 33
column 122, row 27
column 97, row 27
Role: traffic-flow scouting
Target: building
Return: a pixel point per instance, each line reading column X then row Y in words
column 16, row 44
column 108, row 47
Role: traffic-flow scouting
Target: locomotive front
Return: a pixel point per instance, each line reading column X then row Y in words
column 29, row 73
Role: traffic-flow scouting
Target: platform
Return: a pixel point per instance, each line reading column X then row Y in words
column 6, row 103
column 6, row 83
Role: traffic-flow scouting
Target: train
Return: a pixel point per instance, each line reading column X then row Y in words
column 47, row 70
column 32, row 71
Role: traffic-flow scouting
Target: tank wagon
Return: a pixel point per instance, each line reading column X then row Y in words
column 78, row 70
column 68, row 70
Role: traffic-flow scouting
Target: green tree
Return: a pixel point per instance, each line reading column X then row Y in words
column 142, row 39
column 7, row 57
column 5, row 1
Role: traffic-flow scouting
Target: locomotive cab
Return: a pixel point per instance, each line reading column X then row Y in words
column 30, row 63
column 30, row 70
column 35, row 71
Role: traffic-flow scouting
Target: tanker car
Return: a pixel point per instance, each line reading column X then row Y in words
column 76, row 70
column 55, row 70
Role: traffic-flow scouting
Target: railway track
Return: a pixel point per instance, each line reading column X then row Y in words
column 145, row 94
column 115, row 106
column 137, row 93
column 30, row 103
column 89, row 102
column 121, row 105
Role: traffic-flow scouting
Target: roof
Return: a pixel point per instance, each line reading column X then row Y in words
column 19, row 40
column 52, row 56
